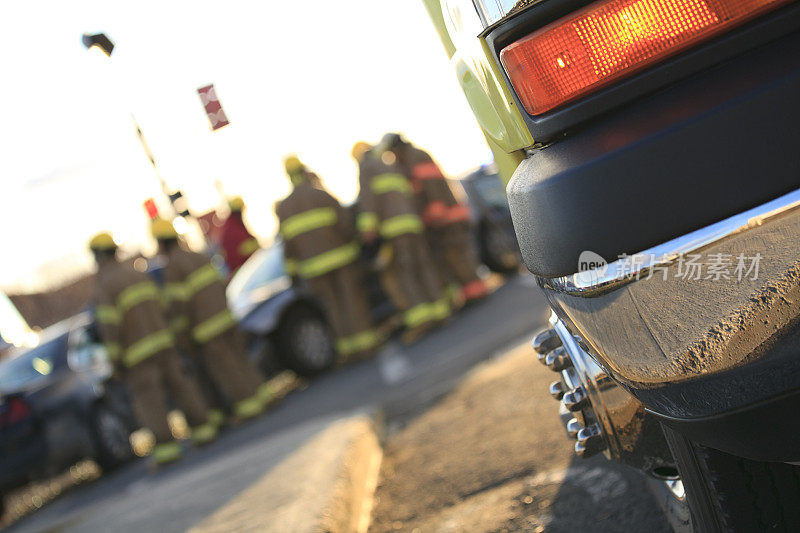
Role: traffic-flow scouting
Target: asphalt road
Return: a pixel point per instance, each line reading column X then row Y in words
column 399, row 380
column 493, row 456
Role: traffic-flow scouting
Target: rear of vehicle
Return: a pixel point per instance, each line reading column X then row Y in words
column 22, row 451
column 57, row 406
column 655, row 196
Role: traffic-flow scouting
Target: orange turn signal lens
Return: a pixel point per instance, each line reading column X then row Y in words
column 609, row 40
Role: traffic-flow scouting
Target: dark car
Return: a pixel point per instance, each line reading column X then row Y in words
column 494, row 231
column 285, row 326
column 58, row 405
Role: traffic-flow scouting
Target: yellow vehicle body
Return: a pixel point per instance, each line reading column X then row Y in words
column 482, row 83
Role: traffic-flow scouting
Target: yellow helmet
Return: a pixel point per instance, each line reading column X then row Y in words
column 293, row 165
column 236, row 204
column 163, row 229
column 359, row 149
column 103, row 241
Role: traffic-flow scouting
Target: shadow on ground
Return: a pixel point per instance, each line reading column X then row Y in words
column 493, row 456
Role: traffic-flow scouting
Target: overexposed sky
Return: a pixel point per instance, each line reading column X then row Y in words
column 307, row 77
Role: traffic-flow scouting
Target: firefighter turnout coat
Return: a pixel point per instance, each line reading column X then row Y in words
column 134, row 330
column 386, row 208
column 446, row 220
column 320, row 247
column 194, row 294
column 237, row 243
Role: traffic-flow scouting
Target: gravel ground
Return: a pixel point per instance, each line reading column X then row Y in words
column 493, row 456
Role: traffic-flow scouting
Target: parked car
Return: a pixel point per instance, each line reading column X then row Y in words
column 14, row 331
column 59, row 404
column 494, row 231
column 285, row 326
column 653, row 147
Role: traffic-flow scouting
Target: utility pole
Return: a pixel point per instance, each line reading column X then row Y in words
column 176, row 198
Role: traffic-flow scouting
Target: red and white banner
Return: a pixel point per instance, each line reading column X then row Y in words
column 216, row 116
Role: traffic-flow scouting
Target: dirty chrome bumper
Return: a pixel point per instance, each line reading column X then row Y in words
column 701, row 344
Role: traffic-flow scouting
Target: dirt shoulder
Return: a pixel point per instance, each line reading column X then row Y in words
column 492, row 456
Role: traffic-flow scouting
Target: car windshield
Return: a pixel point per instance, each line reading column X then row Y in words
column 32, row 365
column 264, row 266
column 490, row 189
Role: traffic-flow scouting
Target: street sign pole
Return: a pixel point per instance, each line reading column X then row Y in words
column 217, row 120
column 176, row 199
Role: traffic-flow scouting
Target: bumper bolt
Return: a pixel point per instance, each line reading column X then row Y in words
column 573, row 427
column 558, row 360
column 546, row 341
column 557, row 390
column 576, row 399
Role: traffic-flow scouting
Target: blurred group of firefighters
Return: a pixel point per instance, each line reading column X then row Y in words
column 406, row 213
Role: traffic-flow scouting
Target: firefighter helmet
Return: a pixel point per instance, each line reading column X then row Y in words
column 359, row 149
column 163, row 229
column 103, row 241
column 236, row 204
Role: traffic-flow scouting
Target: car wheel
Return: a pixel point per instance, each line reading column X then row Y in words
column 112, row 438
column 499, row 250
column 729, row 493
column 305, row 342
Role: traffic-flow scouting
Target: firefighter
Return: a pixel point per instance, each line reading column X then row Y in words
column 135, row 333
column 387, row 210
column 194, row 294
column 447, row 222
column 321, row 248
column 238, row 244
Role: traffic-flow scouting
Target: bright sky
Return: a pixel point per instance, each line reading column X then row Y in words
column 307, row 77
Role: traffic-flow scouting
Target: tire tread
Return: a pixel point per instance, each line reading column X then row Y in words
column 729, row 493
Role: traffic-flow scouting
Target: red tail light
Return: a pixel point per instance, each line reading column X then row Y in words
column 16, row 411
column 609, row 40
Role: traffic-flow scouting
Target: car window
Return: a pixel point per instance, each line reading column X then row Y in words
column 264, row 266
column 32, row 365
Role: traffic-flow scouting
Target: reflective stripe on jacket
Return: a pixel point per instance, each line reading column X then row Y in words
column 386, row 202
column 129, row 314
column 318, row 233
column 195, row 296
column 434, row 197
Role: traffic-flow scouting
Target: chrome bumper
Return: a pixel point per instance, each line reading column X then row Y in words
column 650, row 324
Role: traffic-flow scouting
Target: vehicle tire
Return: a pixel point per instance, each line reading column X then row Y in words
column 499, row 250
column 729, row 493
column 305, row 342
column 112, row 438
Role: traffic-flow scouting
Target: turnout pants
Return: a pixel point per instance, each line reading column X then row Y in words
column 342, row 294
column 152, row 381
column 224, row 358
column 418, row 281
